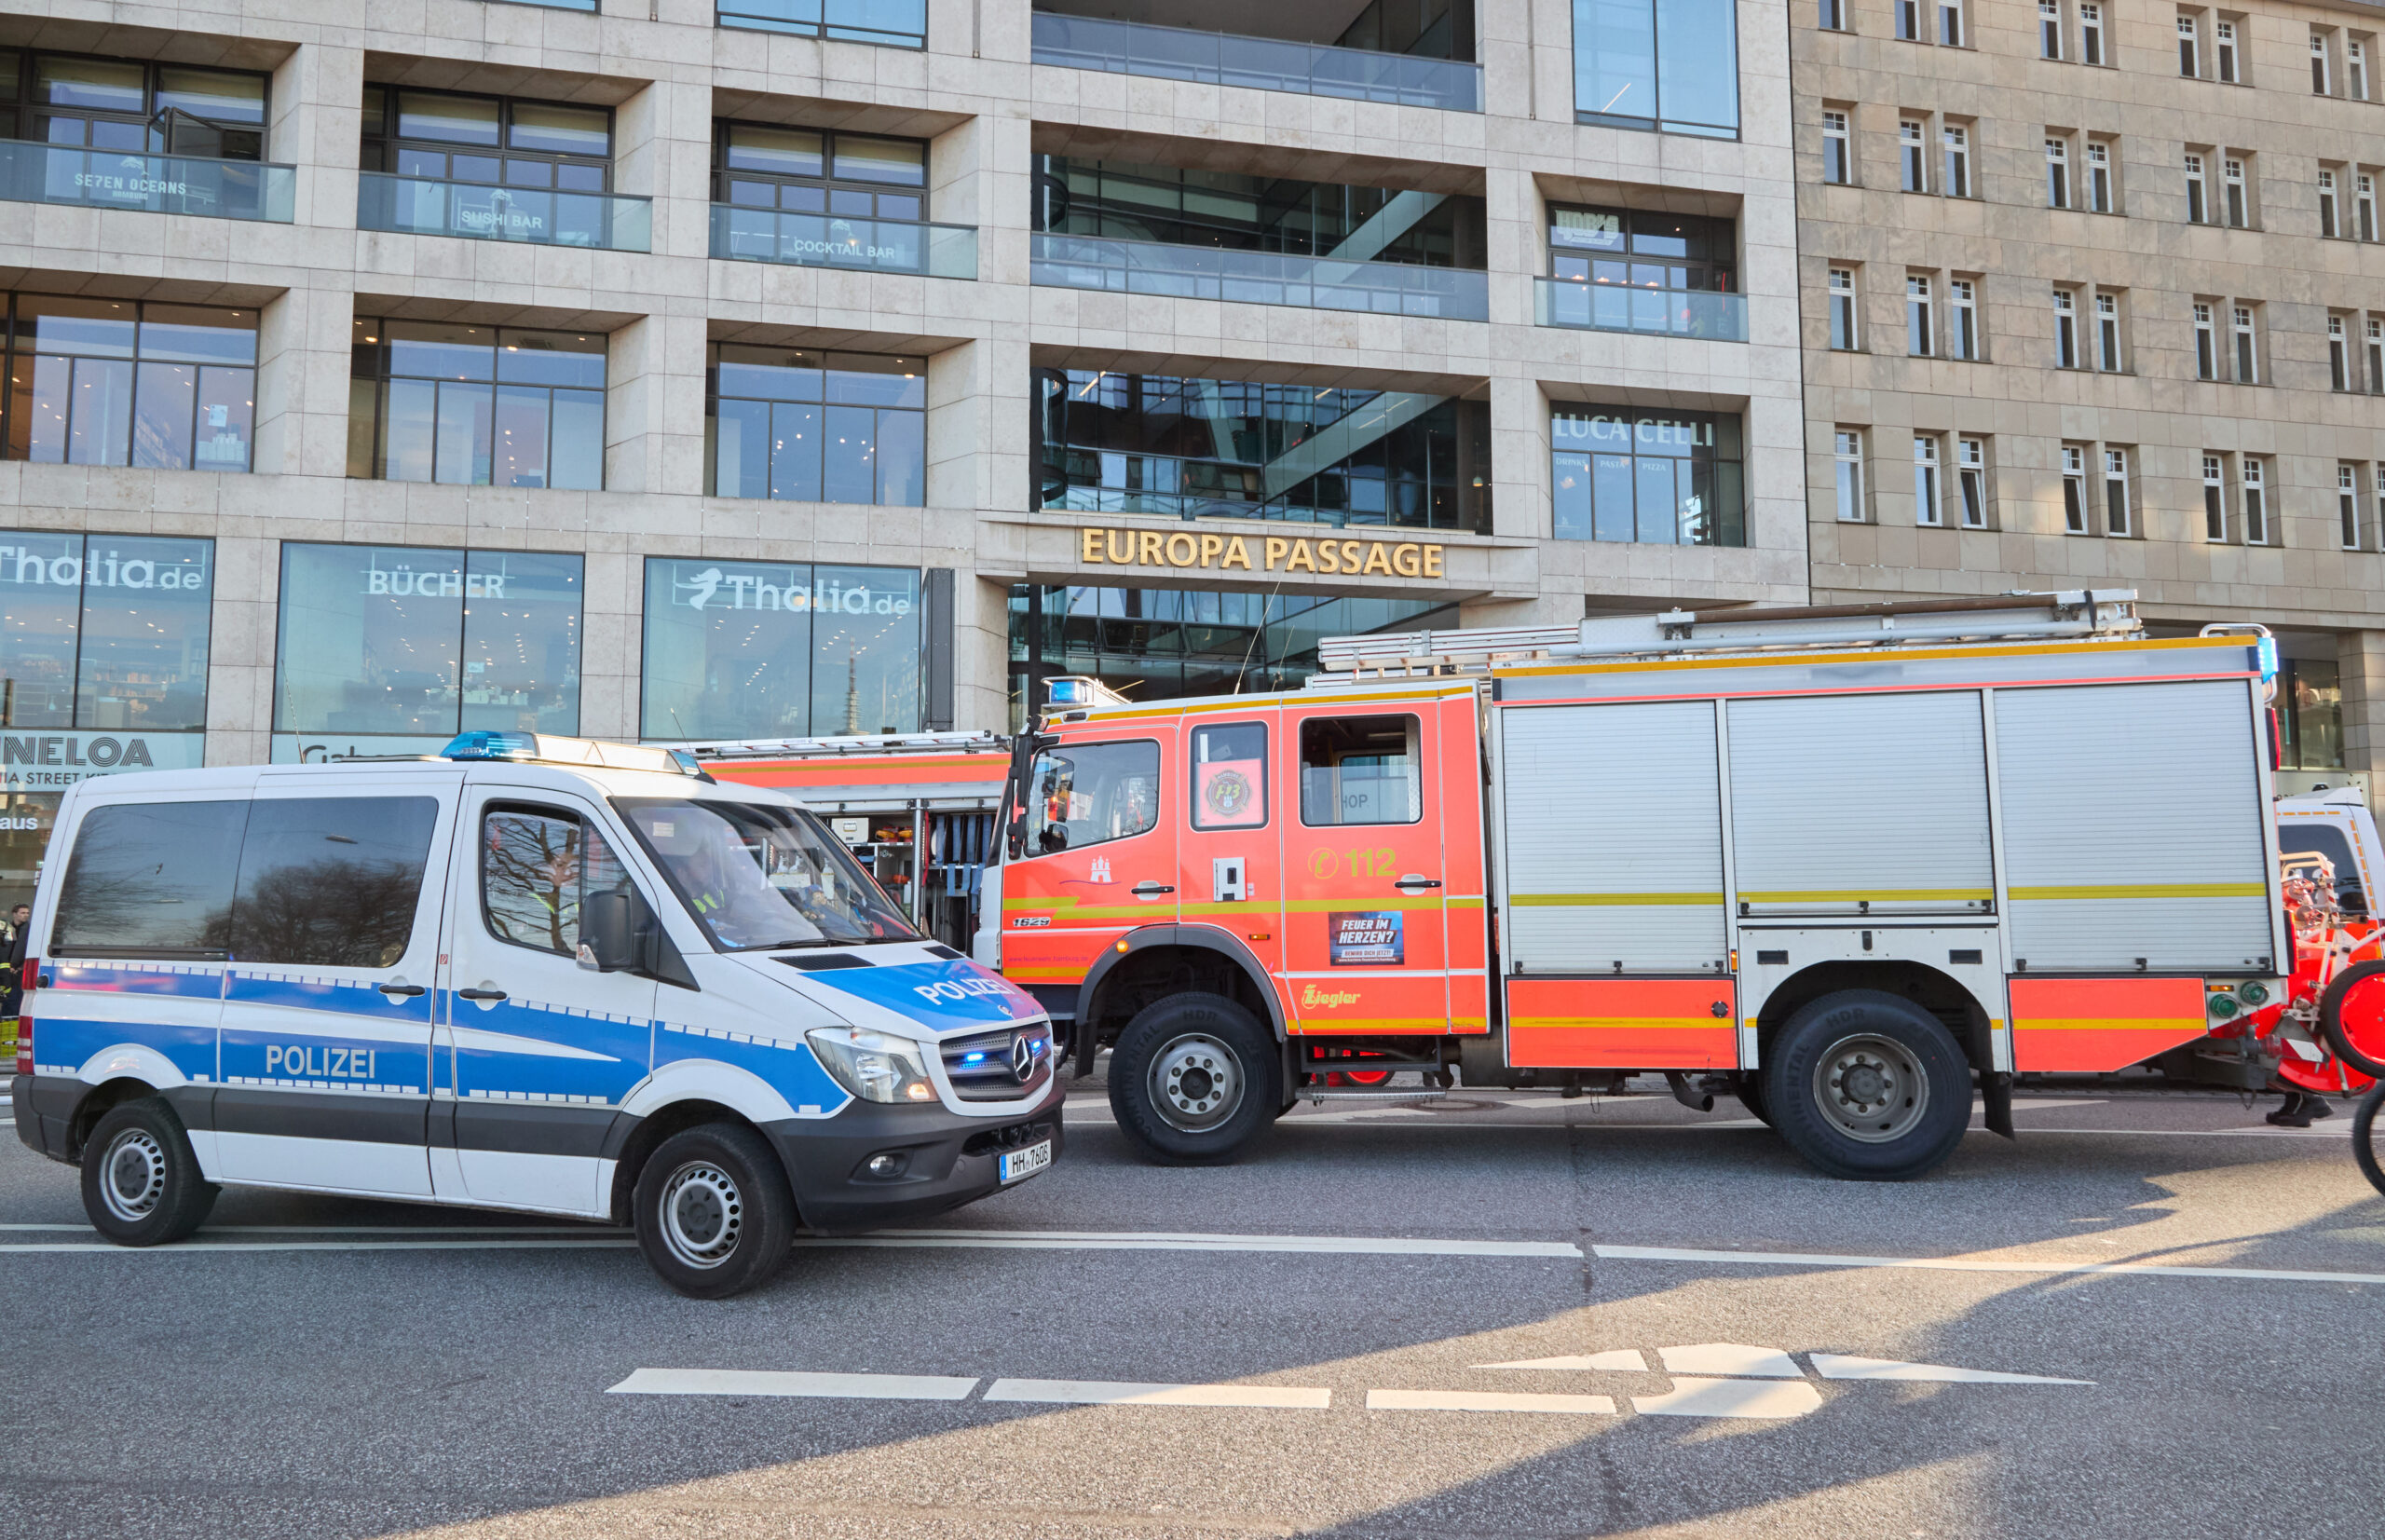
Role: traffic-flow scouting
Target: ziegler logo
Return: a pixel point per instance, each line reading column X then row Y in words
column 1311, row 996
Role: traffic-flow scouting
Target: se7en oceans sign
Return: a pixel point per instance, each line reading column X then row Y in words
column 1364, row 940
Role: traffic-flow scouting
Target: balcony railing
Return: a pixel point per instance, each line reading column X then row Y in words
column 1262, row 64
column 1620, row 308
column 829, row 241
column 33, row 173
column 1258, row 278
column 888, row 24
column 534, row 216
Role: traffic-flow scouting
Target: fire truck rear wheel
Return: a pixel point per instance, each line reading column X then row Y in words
column 1192, row 1078
column 1868, row 1086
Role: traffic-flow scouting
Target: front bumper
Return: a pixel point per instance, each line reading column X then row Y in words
column 952, row 1160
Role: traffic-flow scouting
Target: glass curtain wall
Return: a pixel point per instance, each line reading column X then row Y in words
column 476, row 405
column 1661, row 478
column 779, row 649
column 802, row 425
column 1668, row 65
column 1201, row 448
column 427, row 642
column 1230, row 210
column 104, row 632
column 1161, row 643
column 121, row 382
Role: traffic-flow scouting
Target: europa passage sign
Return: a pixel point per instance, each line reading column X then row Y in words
column 1258, row 553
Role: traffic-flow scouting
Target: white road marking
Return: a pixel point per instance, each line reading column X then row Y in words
column 1761, row 1363
column 752, row 1381
column 1840, row 1366
column 1128, row 1392
column 558, row 1244
column 1386, row 1110
column 1625, row 1359
column 1967, row 1264
column 1771, row 1399
column 589, row 1231
column 1130, row 1240
column 1487, row 1400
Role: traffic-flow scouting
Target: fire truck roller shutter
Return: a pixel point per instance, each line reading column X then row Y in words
column 1861, row 804
column 1613, row 836
column 2133, row 828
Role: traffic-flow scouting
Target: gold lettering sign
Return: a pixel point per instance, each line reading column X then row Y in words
column 1275, row 553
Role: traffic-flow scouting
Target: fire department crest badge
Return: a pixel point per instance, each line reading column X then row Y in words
column 1229, row 792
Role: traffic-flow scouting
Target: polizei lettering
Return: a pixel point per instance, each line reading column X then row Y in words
column 959, row 989
column 322, row 1062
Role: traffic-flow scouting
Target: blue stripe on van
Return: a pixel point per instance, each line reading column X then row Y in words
column 338, row 996
column 938, row 995
column 547, row 1052
column 200, row 981
column 788, row 1068
column 70, row 1041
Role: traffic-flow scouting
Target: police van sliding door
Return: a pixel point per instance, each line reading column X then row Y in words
column 1615, row 934
column 326, row 1025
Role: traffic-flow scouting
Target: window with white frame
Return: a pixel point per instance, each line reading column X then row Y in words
column 2206, row 342
column 2214, row 500
column 2198, row 202
column 2057, row 172
column 2066, row 329
column 2320, row 83
column 2090, row 34
column 1844, row 335
column 2100, row 194
column 2238, row 189
column 2377, row 355
column 2329, row 225
column 2073, row 488
column 2338, row 354
column 2365, row 206
column 1913, row 156
column 2190, row 47
column 2254, row 489
column 2347, row 506
column 2224, row 48
column 1955, row 181
column 1833, row 15
column 2356, row 69
column 2050, row 29
column 1838, row 161
column 1962, row 321
column 2376, row 485
column 1919, row 335
column 1927, row 508
column 1847, row 456
column 2108, row 355
column 2248, row 367
column 1970, row 477
column 1950, row 22
column 2117, row 520
column 1909, row 20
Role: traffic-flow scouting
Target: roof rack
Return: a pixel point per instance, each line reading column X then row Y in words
column 872, row 745
column 2083, row 613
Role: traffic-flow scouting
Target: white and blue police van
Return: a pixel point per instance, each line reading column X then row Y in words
column 542, row 975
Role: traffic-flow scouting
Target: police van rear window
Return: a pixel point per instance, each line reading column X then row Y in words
column 151, row 879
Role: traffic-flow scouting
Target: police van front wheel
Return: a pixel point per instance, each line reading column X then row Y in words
column 142, row 1184
column 1868, row 1086
column 714, row 1214
column 1192, row 1078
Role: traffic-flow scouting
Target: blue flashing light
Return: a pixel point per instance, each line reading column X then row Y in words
column 481, row 743
column 973, row 1058
column 1072, row 692
column 2267, row 651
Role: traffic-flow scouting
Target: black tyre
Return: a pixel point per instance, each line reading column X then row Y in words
column 714, row 1213
column 1192, row 1078
column 1868, row 1086
column 2364, row 1136
column 1750, row 1091
column 142, row 1184
column 2359, row 1042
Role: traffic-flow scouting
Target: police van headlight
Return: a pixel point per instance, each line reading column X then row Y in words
column 873, row 1066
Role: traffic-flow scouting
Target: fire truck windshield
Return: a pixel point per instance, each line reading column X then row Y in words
column 1084, row 794
column 757, row 875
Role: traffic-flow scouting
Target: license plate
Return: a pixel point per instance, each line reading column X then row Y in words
column 1025, row 1163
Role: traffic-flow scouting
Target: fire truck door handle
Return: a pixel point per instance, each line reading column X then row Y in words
column 1415, row 879
column 1146, row 889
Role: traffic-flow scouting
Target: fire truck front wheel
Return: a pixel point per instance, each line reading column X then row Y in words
column 1192, row 1078
column 1868, row 1086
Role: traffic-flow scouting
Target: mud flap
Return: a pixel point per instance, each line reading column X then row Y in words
column 1995, row 1098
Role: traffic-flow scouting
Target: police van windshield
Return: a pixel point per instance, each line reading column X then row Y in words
column 757, row 875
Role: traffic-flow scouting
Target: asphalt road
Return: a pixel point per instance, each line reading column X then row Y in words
column 375, row 1370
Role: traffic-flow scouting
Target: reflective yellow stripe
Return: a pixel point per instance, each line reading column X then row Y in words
column 2114, row 1024
column 1394, row 1024
column 1569, row 901
column 2158, row 890
column 1630, row 1024
column 1863, row 896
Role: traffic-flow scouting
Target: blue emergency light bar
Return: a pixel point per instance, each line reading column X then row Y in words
column 1063, row 690
column 547, row 748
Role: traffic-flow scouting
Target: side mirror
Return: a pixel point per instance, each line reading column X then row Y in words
column 609, row 923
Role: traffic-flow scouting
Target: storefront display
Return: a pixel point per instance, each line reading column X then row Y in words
column 776, row 649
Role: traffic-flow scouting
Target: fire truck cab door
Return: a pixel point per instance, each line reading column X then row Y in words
column 1366, row 922
column 1101, row 858
column 1230, row 847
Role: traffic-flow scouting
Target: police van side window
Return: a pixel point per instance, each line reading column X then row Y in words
column 331, row 881
column 151, row 879
column 1230, row 776
column 1087, row 793
column 1361, row 769
column 2304, row 837
column 538, row 867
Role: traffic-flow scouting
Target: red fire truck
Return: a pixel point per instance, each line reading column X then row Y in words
column 1855, row 866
